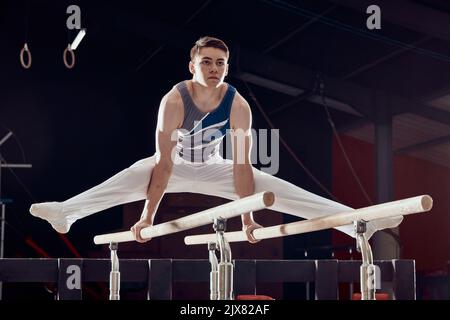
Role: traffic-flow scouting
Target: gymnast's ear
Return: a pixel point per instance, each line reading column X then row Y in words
column 191, row 67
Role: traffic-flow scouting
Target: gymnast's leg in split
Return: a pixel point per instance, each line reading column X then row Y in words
column 289, row 198
column 128, row 185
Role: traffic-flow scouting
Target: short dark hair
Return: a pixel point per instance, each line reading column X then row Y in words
column 209, row 42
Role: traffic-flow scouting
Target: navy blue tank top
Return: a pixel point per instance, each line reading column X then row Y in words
column 201, row 133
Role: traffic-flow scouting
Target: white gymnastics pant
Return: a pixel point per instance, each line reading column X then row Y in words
column 214, row 177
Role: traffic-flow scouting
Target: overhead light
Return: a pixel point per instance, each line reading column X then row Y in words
column 78, row 39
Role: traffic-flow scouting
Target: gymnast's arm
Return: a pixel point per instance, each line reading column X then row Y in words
column 241, row 123
column 170, row 118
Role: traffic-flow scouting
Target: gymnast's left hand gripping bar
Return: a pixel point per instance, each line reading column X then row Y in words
column 232, row 209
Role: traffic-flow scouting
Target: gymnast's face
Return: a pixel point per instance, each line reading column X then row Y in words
column 209, row 67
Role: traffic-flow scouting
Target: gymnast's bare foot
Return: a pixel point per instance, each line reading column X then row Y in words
column 53, row 213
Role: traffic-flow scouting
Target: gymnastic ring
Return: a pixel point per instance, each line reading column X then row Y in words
column 72, row 55
column 22, row 53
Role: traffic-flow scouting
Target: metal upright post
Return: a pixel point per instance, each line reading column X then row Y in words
column 367, row 269
column 114, row 276
column 225, row 267
column 2, row 241
column 214, row 274
column 3, row 164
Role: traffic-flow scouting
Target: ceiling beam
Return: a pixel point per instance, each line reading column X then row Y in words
column 360, row 98
column 301, row 97
column 257, row 65
column 423, row 145
column 419, row 109
column 384, row 58
column 439, row 93
column 353, row 125
column 269, row 84
column 401, row 105
column 354, row 95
